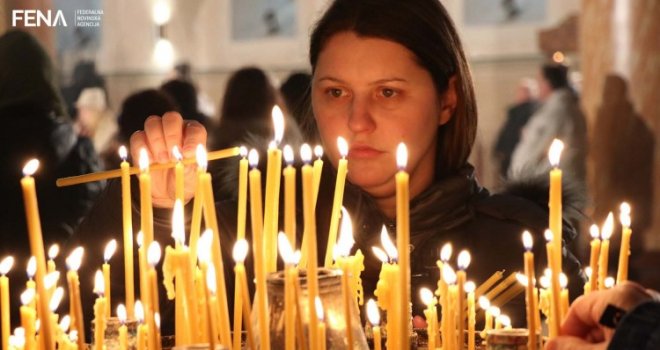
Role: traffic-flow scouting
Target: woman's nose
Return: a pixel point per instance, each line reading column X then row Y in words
column 360, row 117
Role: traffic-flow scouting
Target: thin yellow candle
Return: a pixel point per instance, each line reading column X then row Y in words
column 555, row 204
column 142, row 328
column 445, row 255
column 28, row 318
column 73, row 262
column 153, row 257
column 146, row 210
column 142, row 265
column 198, row 204
column 290, row 275
column 450, row 337
column 484, row 304
column 593, row 259
column 213, row 305
column 272, row 195
column 247, row 310
column 482, row 288
column 496, row 312
column 239, row 253
column 563, row 283
column 310, row 240
column 318, row 170
column 605, row 235
column 123, row 331
column 36, row 247
column 99, row 311
column 62, row 339
column 321, row 324
column 5, row 266
column 178, row 174
column 403, row 241
column 185, row 290
column 624, row 252
column 374, row 318
column 53, row 251
column 289, row 175
column 201, row 289
column 342, row 251
column 555, row 290
column 469, row 290
column 127, row 221
column 462, row 263
column 385, row 288
column 528, row 243
column 242, row 194
column 340, row 182
column 545, row 302
column 109, row 251
column 431, row 315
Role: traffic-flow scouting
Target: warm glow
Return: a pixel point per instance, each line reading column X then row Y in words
column 99, row 283
column 426, row 295
column 547, row 272
column 161, row 12
column 388, row 245
column 153, row 254
column 240, row 250
column 243, row 151
column 286, row 251
column 56, row 299
column 448, row 274
column 176, row 153
column 27, row 296
column 121, row 313
column 545, row 282
column 253, row 158
column 401, row 156
column 75, row 259
column 528, row 241
column 139, row 239
column 319, row 308
column 494, row 310
column 504, row 320
column 288, row 154
column 464, row 260
column 318, row 151
column 110, row 250
column 345, row 241
column 201, row 157
column 65, row 323
column 178, row 226
column 608, row 227
column 609, row 282
column 210, row 279
column 157, row 319
column 53, row 251
column 624, row 215
column 484, row 303
column 547, row 234
column 31, row 167
column 6, row 265
column 50, row 280
column 278, row 124
column 372, row 312
column 204, row 246
column 32, row 267
column 342, row 145
column 563, row 281
column 594, row 231
column 469, row 287
column 305, row 153
column 555, row 152
column 522, row 278
column 17, row 341
column 144, row 160
column 587, row 271
column 625, row 207
column 380, row 254
column 558, row 57
column 139, row 311
column 123, row 154
column 163, row 54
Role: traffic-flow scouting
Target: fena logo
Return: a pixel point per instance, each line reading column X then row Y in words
column 35, row 18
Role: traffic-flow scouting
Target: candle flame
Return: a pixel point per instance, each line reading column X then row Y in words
column 522, row 279
column 494, row 310
column 123, row 154
column 157, row 319
column 288, row 154
column 484, row 303
column 99, row 283
column 210, row 279
column 342, row 145
column 389, row 247
column 624, row 215
column 319, row 308
column 73, row 336
column 202, row 157
column 139, row 311
column 139, row 239
column 27, row 296
column 121, row 313
column 240, row 250
column 272, row 145
column 563, row 281
column 253, row 158
column 528, row 241
column 278, row 124
column 178, row 226
column 51, row 279
column 555, row 152
column 545, row 282
column 469, row 287
column 53, row 251
column 143, row 162
column 504, row 320
column 445, row 252
column 56, row 299
column 74, row 259
column 65, row 323
column 608, row 227
column 17, row 340
column 624, row 207
column 176, row 153
column 243, row 151
column 31, row 167
column 594, row 231
column 547, row 272
column 346, row 241
column 6, row 265
column 305, row 153
column 448, row 274
column 204, row 246
column 609, row 282
column 31, row 267
column 372, row 312
column 401, row 156
column 286, row 251
column 318, row 151
column 380, row 254
column 110, row 250
column 548, row 235
column 587, row 271
column 427, row 296
column 464, row 260
column 153, row 254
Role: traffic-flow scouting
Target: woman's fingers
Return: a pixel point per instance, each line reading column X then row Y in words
column 137, row 142
column 194, row 134
column 153, row 128
column 172, row 131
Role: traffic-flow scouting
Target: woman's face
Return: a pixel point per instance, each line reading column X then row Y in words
column 373, row 93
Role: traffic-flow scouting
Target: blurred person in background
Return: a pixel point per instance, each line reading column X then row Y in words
column 94, row 119
column 185, row 95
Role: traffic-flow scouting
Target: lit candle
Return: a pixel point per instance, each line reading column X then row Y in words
column 342, row 251
column 53, row 251
column 593, row 260
column 503, row 321
column 146, row 210
column 462, row 263
column 109, row 251
column 153, row 308
column 198, row 202
column 142, row 265
column 99, row 311
column 28, row 318
column 545, row 302
column 256, row 215
column 318, row 169
column 445, row 255
column 142, row 328
column 403, row 242
column 213, row 305
column 563, row 283
column 289, row 174
column 321, row 324
column 62, row 339
column 340, row 182
column 495, row 311
column 201, row 288
column 272, row 195
column 605, row 235
column 555, row 203
column 242, row 194
column 449, row 275
column 5, row 266
column 53, row 304
column 469, row 289
column 127, row 221
column 36, row 246
column 609, row 282
column 431, row 315
column 239, row 254
column 123, row 331
column 310, row 239
column 290, row 275
column 622, row 272
column 484, row 304
column 555, row 291
column 30, row 284
column 374, row 318
column 73, row 262
column 178, row 174
column 386, row 286
column 528, row 243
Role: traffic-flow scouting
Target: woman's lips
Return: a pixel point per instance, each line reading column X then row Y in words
column 363, row 152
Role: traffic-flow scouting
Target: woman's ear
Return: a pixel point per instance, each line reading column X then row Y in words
column 448, row 102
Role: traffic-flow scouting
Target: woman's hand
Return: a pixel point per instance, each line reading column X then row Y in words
column 159, row 136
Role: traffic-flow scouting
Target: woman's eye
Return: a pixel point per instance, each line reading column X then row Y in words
column 386, row 92
column 335, row 92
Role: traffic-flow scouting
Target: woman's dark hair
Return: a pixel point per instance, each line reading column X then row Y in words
column 249, row 95
column 556, row 75
column 185, row 95
column 139, row 106
column 424, row 28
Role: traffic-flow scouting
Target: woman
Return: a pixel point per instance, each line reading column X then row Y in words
column 387, row 71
